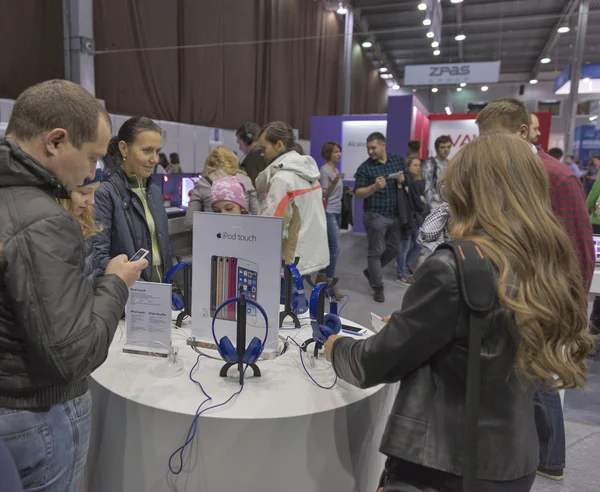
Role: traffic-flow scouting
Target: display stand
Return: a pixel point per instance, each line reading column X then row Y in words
column 240, row 343
column 187, row 296
column 320, row 318
column 287, row 303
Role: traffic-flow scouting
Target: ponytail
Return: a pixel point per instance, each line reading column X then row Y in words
column 114, row 152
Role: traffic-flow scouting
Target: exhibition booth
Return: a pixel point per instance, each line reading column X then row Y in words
column 406, row 119
column 232, row 391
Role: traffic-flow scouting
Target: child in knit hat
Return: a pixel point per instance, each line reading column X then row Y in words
column 228, row 196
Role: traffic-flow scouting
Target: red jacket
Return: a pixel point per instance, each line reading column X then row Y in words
column 568, row 204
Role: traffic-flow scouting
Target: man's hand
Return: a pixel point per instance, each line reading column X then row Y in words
column 380, row 183
column 329, row 345
column 400, row 177
column 128, row 271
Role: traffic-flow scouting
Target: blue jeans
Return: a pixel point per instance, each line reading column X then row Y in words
column 383, row 242
column 408, row 252
column 550, row 425
column 49, row 446
column 334, row 223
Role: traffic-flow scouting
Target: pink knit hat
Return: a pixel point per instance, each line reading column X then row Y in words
column 229, row 189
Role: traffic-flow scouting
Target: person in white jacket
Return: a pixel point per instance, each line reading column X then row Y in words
column 289, row 188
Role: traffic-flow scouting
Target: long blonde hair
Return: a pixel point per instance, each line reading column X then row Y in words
column 86, row 220
column 498, row 193
column 222, row 158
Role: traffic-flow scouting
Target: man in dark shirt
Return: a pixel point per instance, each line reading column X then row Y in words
column 568, row 204
column 376, row 182
column 254, row 162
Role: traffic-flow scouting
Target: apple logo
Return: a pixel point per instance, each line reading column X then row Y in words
column 218, row 235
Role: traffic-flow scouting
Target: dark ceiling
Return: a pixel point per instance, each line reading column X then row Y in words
column 517, row 32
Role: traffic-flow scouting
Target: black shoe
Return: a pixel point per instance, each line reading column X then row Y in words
column 379, row 296
column 551, row 474
column 366, row 274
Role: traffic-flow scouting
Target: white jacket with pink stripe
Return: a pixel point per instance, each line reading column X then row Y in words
column 289, row 188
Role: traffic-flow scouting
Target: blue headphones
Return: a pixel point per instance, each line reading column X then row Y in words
column 299, row 302
column 255, row 347
column 331, row 324
column 176, row 300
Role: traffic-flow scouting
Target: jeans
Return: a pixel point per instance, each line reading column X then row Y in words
column 403, row 476
column 49, row 446
column 334, row 222
column 409, row 250
column 383, row 240
column 550, row 425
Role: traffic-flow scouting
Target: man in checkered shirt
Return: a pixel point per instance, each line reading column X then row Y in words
column 376, row 181
column 568, row 204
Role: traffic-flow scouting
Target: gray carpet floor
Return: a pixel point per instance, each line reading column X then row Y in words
column 582, row 408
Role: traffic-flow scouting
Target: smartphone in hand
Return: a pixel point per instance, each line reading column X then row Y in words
column 141, row 253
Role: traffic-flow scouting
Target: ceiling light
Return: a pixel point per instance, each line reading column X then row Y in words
column 414, row 90
column 395, row 87
column 484, row 88
column 367, row 44
column 386, row 76
column 458, row 89
column 435, row 44
column 563, row 29
column 448, row 110
column 383, row 69
column 426, row 22
column 456, row 1
column 533, row 81
column 463, row 84
column 460, row 37
column 593, row 118
column 587, row 80
column 434, row 89
column 436, row 52
column 430, row 34
column 546, row 60
column 422, row 6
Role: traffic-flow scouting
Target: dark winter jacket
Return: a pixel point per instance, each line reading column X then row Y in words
column 121, row 212
column 54, row 328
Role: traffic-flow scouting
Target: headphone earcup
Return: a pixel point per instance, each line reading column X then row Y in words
column 294, row 302
column 227, row 350
column 252, row 352
column 177, row 302
column 301, row 304
column 332, row 325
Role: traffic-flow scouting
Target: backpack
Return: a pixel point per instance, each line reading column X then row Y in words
column 478, row 290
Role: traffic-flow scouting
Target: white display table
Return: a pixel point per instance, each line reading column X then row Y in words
column 282, row 433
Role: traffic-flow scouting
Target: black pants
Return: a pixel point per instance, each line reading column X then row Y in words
column 402, row 476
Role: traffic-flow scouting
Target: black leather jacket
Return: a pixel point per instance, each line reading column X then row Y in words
column 425, row 345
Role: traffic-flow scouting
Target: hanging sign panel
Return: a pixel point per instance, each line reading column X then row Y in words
column 452, row 73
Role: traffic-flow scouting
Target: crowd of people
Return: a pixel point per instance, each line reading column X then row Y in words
column 68, row 229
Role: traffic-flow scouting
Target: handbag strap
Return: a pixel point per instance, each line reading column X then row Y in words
column 127, row 216
column 478, row 290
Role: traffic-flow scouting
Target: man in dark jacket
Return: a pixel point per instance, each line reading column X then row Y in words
column 254, row 162
column 54, row 328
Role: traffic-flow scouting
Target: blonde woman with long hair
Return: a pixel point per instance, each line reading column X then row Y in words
column 220, row 163
column 81, row 206
column 498, row 193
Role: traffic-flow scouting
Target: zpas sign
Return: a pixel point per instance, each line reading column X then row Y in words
column 452, row 73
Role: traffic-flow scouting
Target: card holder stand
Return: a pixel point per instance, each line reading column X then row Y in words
column 240, row 344
column 287, row 304
column 320, row 319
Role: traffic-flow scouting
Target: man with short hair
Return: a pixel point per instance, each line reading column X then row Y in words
column 556, row 153
column 254, row 162
column 376, row 181
column 568, row 204
column 55, row 328
column 572, row 165
column 414, row 147
column 434, row 168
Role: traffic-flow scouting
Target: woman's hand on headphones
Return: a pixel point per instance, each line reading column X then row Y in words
column 328, row 347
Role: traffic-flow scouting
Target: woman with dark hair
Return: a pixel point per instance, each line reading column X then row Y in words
column 175, row 166
column 531, row 316
column 333, row 192
column 289, row 188
column 162, row 165
column 129, row 205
